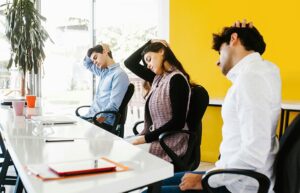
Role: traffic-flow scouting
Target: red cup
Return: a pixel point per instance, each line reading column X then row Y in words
column 30, row 99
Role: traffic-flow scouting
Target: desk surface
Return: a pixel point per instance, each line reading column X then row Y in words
column 216, row 102
column 291, row 105
column 25, row 142
column 285, row 105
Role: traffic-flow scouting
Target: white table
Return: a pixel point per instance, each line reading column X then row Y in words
column 90, row 142
column 286, row 108
column 217, row 102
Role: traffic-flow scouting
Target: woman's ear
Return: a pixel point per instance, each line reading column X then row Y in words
column 161, row 51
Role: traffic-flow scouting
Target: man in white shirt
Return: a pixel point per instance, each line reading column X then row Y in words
column 250, row 114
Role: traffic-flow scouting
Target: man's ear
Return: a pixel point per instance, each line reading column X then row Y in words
column 234, row 38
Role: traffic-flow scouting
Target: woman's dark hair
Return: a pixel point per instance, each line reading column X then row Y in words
column 168, row 56
column 250, row 38
column 98, row 49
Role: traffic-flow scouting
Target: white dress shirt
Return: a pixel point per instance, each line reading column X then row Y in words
column 250, row 115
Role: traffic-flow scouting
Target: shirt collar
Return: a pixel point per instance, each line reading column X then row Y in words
column 110, row 67
column 236, row 69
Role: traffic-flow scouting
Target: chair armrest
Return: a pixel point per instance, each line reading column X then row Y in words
column 264, row 182
column 178, row 162
column 77, row 110
column 134, row 129
column 107, row 112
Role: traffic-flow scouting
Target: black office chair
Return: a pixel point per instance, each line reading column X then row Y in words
column 286, row 166
column 287, row 163
column 190, row 161
column 117, row 127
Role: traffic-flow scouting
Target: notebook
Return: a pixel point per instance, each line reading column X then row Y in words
column 54, row 120
column 82, row 167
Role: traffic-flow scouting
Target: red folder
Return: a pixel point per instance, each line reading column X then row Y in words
column 82, row 167
column 43, row 172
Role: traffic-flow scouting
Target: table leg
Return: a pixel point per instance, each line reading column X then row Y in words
column 287, row 117
column 19, row 186
column 281, row 123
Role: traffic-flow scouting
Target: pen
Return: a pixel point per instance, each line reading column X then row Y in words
column 62, row 123
column 59, row 140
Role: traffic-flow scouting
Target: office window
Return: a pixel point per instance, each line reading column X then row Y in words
column 127, row 25
column 124, row 25
column 6, row 81
column 64, row 79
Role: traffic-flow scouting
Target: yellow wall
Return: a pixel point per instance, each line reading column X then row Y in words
column 192, row 23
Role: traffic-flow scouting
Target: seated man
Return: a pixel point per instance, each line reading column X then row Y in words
column 112, row 85
column 250, row 114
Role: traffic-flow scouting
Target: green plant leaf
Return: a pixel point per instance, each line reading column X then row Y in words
column 10, row 63
column 26, row 35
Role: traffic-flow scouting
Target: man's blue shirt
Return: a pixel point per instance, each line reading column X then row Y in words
column 112, row 86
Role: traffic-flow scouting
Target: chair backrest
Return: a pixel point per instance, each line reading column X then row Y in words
column 287, row 162
column 118, row 126
column 198, row 104
column 125, row 101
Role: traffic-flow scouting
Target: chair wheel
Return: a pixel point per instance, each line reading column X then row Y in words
column 2, row 189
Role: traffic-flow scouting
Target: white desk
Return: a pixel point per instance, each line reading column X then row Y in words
column 217, row 102
column 291, row 105
column 286, row 108
column 90, row 142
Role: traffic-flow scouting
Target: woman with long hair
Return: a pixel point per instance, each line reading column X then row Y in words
column 168, row 99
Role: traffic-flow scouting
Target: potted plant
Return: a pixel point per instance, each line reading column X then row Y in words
column 26, row 36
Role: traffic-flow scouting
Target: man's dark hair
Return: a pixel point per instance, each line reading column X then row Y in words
column 250, row 38
column 98, row 49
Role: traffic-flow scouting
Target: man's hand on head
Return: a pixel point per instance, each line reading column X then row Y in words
column 242, row 24
column 105, row 47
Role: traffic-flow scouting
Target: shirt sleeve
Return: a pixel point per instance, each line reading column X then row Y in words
column 133, row 64
column 179, row 96
column 120, row 84
column 254, row 111
column 88, row 64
